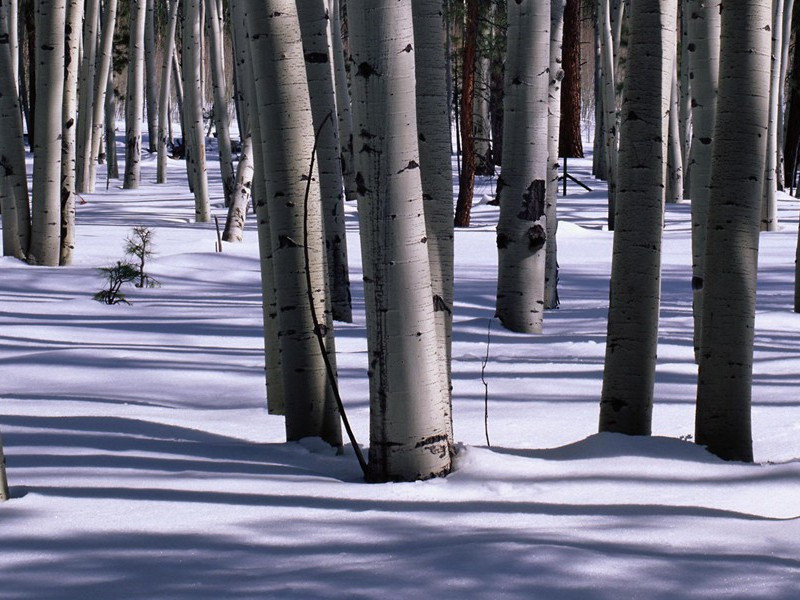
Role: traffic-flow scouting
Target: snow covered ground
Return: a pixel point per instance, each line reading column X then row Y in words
column 143, row 464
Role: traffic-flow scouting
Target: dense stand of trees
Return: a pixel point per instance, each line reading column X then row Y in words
column 691, row 102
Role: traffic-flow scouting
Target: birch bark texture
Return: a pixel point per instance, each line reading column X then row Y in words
column 287, row 140
column 610, row 116
column 433, row 129
column 13, row 177
column 704, row 56
column 630, row 361
column 409, row 407
column 522, row 228
column 553, row 128
column 737, row 174
column 314, row 27
column 194, row 136
column 151, row 76
column 87, row 96
column 769, row 208
column 134, row 100
column 46, row 205
column 342, row 101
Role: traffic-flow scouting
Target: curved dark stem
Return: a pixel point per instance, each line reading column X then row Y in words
column 319, row 329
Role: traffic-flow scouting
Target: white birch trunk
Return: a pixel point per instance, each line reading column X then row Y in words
column 521, row 187
column 110, row 125
column 13, row 38
column 134, row 100
column 704, row 24
column 599, row 164
column 151, row 76
column 287, row 140
column 221, row 98
column 314, row 26
column 685, row 98
column 46, row 208
column 164, row 92
column 87, row 98
column 675, row 156
column 787, row 36
column 409, row 409
column 769, row 208
column 630, row 362
column 731, row 255
column 72, row 41
column 272, row 355
column 194, row 136
column 342, row 101
column 101, row 85
column 237, row 211
column 553, row 128
column 13, row 178
column 610, row 117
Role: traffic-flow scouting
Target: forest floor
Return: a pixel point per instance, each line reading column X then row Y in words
column 143, row 464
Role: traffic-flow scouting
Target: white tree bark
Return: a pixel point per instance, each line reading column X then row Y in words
column 110, row 125
column 342, row 101
column 433, row 126
column 685, row 97
column 46, row 208
column 704, row 24
column 237, row 211
column 164, row 92
column 72, row 41
column 522, row 228
column 409, row 409
column 101, row 86
column 287, row 140
column 13, row 179
column 675, row 155
column 553, row 128
column 731, row 255
column 221, row 99
column 314, row 26
column 134, row 98
column 151, row 76
column 787, row 36
column 610, row 117
column 630, row 362
column 194, row 136
column 769, row 208
column 87, row 98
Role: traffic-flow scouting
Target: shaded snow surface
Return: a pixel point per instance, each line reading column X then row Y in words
column 143, row 463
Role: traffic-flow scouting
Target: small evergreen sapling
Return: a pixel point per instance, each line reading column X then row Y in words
column 117, row 275
column 139, row 245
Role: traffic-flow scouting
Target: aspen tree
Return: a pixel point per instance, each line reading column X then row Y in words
column 314, row 27
column 46, row 204
column 151, row 76
column 4, row 495
column 556, row 74
column 409, row 407
column 630, row 361
column 610, row 117
column 675, row 153
column 342, row 101
column 769, row 208
column 88, row 78
column 164, row 92
column 134, row 101
column 522, row 228
column 72, row 40
column 731, row 254
column 13, row 179
column 287, row 140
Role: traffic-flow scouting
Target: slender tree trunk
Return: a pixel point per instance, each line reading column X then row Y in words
column 599, row 164
column 610, row 118
column 674, row 158
column 164, row 92
column 4, row 495
column 782, row 107
column 151, row 76
column 110, row 125
column 553, row 127
column 134, row 101
column 409, row 409
column 569, row 133
column 522, row 229
column 13, row 178
column 686, row 97
column 237, row 211
column 466, row 179
column 101, row 83
column 29, row 35
column 793, row 119
column 731, row 255
column 72, row 41
column 287, row 139
column 345, row 117
column 87, row 97
column 194, row 136
column 314, row 23
column 433, row 127
column 481, row 118
column 46, row 209
column 629, row 376
column 221, row 98
column 704, row 23
column 12, row 28
column 769, row 208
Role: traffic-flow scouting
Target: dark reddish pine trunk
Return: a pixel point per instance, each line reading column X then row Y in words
column 466, row 179
column 569, row 142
